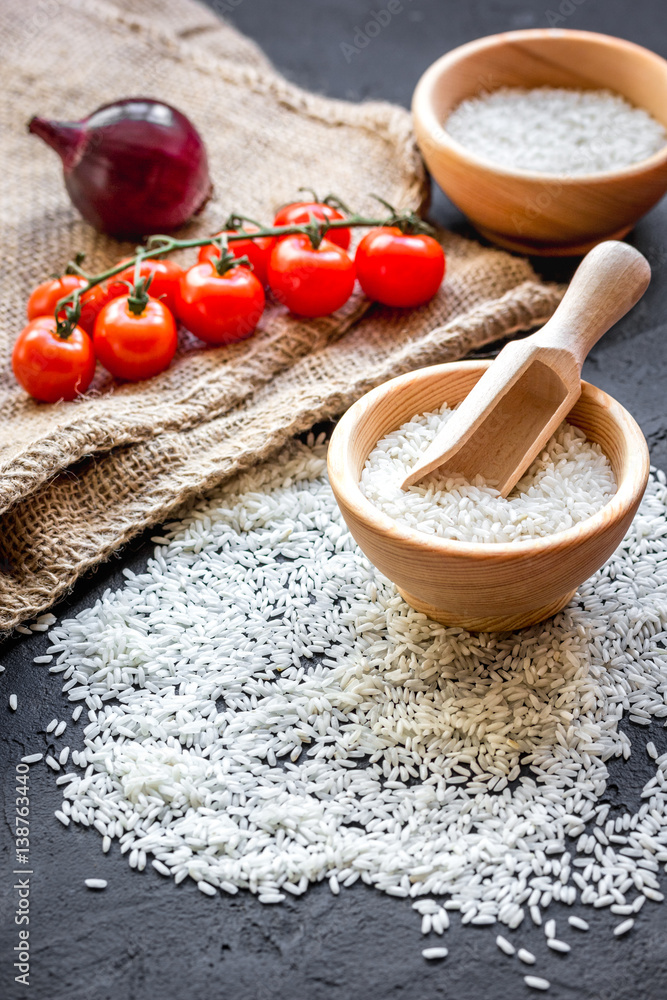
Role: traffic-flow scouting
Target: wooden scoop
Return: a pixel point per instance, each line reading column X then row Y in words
column 511, row 413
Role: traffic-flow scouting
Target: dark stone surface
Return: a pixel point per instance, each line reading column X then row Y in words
column 145, row 938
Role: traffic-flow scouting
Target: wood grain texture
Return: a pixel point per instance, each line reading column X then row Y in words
column 534, row 382
column 482, row 587
column 532, row 212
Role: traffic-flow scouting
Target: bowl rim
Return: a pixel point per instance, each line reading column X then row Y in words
column 340, row 474
column 441, row 138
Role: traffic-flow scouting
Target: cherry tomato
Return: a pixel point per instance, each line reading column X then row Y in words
column 257, row 251
column 310, row 282
column 164, row 286
column 50, row 367
column 220, row 308
column 45, row 297
column 399, row 269
column 133, row 346
column 300, row 212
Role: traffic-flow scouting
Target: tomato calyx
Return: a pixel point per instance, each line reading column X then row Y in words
column 226, row 261
column 64, row 327
column 137, row 300
column 318, row 219
column 409, row 223
column 72, row 308
column 71, row 305
column 316, row 229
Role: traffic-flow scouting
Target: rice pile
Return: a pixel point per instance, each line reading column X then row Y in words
column 569, row 482
column 264, row 711
column 556, row 131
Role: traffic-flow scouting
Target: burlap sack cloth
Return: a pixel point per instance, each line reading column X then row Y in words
column 78, row 480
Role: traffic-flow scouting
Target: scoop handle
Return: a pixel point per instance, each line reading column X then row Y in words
column 606, row 285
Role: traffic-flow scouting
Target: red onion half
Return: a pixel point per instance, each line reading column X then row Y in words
column 134, row 167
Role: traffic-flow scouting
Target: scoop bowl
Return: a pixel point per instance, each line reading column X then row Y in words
column 482, row 587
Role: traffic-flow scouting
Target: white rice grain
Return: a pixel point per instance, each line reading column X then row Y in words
column 506, row 946
column 432, row 954
column 556, row 945
column 624, row 927
column 536, row 982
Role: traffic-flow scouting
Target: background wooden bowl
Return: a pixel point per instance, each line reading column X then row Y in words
column 477, row 586
column 540, row 213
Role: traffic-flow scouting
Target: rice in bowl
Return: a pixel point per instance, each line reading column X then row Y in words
column 569, row 482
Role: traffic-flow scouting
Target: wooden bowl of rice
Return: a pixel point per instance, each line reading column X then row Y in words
column 482, row 587
column 542, row 212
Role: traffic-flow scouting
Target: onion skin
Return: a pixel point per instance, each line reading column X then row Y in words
column 134, row 167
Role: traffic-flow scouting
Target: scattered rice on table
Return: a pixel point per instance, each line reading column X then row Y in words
column 264, row 711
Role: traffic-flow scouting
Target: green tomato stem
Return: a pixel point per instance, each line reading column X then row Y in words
column 159, row 246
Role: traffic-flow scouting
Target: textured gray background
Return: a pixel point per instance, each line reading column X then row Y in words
column 145, row 938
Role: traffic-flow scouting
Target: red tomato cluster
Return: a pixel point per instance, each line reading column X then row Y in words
column 219, row 302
